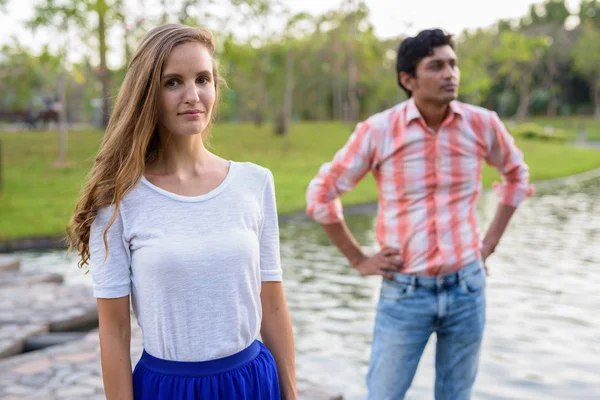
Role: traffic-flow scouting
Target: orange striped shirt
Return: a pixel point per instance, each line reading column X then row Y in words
column 428, row 182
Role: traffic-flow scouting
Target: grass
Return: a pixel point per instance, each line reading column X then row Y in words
column 572, row 125
column 38, row 198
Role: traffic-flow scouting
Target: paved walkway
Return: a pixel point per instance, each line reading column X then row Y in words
column 35, row 304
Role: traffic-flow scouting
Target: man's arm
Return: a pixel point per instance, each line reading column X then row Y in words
column 381, row 263
column 496, row 229
column 350, row 164
column 348, row 167
column 508, row 160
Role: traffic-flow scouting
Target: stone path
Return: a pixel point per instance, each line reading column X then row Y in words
column 66, row 372
column 59, row 307
column 14, row 336
column 8, row 263
column 19, row 278
column 72, row 371
column 35, row 304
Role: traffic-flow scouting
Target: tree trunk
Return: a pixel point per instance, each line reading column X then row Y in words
column 338, row 100
column 596, row 99
column 523, row 109
column 62, row 118
column 286, row 111
column 552, row 106
column 550, row 78
column 104, row 78
column 1, row 162
column 164, row 18
column 184, row 12
column 258, row 113
column 353, row 104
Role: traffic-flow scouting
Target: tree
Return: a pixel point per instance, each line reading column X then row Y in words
column 518, row 57
column 473, row 60
column 589, row 11
column 21, row 77
column 586, row 61
column 258, row 13
column 292, row 31
column 548, row 19
column 77, row 14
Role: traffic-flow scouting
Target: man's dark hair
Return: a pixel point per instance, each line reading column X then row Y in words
column 414, row 49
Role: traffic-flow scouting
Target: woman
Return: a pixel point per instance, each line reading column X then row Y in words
column 193, row 238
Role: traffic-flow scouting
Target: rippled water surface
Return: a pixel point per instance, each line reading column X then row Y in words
column 543, row 334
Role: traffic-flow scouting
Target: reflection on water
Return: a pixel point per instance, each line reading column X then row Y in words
column 543, row 333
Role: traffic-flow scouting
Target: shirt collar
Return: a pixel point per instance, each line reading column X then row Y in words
column 412, row 112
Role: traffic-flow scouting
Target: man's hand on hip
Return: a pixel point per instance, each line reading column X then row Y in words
column 383, row 263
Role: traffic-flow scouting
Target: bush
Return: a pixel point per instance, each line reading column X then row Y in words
column 537, row 132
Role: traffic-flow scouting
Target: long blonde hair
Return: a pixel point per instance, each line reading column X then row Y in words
column 131, row 139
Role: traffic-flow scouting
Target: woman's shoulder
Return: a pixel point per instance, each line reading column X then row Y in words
column 251, row 171
column 129, row 200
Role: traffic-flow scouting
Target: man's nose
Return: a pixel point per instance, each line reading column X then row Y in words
column 449, row 71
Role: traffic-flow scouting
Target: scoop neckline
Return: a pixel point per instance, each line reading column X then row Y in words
column 203, row 197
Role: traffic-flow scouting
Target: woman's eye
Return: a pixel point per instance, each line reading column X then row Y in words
column 171, row 83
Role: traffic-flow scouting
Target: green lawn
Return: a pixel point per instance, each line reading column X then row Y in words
column 571, row 125
column 37, row 198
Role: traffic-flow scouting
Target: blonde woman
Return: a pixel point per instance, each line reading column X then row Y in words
column 191, row 237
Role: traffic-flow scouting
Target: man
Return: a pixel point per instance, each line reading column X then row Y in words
column 426, row 156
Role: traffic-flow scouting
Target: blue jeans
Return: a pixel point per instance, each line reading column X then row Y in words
column 410, row 309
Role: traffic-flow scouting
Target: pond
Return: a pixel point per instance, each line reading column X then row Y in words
column 543, row 333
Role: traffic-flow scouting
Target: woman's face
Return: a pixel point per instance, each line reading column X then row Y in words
column 187, row 90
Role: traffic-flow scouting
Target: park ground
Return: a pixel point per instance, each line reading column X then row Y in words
column 38, row 197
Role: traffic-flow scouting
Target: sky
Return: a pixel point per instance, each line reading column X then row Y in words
column 389, row 17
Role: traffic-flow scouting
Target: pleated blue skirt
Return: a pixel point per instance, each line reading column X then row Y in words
column 249, row 374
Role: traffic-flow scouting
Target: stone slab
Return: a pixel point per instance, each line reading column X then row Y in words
column 59, row 307
column 28, row 278
column 73, row 371
column 9, row 263
column 14, row 336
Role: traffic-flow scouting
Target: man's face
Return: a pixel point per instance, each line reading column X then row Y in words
column 436, row 77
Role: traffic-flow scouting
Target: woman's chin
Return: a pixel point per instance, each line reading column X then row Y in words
column 189, row 131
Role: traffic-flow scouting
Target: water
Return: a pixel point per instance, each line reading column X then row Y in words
column 543, row 334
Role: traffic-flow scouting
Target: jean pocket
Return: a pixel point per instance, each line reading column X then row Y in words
column 395, row 291
column 474, row 283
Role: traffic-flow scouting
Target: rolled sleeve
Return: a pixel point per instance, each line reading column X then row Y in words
column 507, row 158
column 349, row 165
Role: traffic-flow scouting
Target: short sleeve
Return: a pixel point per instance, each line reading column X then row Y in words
column 349, row 165
column 270, row 261
column 111, row 275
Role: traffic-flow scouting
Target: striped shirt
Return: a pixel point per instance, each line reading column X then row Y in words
column 428, row 182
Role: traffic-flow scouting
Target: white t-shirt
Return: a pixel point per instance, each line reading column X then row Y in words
column 193, row 265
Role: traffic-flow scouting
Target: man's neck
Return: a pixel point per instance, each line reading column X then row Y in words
column 432, row 113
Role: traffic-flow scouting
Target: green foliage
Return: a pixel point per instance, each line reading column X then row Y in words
column 533, row 131
column 474, row 62
column 589, row 11
column 26, row 76
column 29, row 156
column 534, row 62
column 586, row 53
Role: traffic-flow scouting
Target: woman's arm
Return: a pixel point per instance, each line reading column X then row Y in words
column 277, row 335
column 115, row 343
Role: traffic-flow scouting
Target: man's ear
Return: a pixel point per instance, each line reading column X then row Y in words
column 407, row 80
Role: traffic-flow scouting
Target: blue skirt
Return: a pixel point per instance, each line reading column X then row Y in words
column 249, row 374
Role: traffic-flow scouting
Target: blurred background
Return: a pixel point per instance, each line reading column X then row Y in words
column 300, row 75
